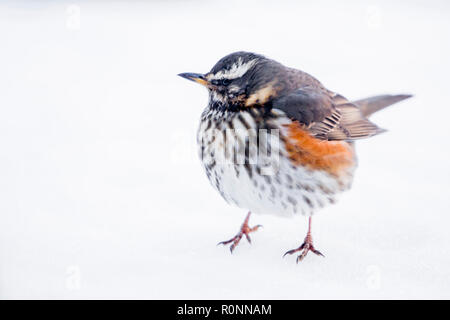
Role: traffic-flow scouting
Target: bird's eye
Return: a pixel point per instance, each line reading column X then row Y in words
column 221, row 82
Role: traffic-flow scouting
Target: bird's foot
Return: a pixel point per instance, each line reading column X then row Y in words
column 306, row 246
column 244, row 231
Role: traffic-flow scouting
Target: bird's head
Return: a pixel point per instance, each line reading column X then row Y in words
column 240, row 79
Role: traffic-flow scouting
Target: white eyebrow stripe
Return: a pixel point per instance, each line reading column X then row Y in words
column 236, row 71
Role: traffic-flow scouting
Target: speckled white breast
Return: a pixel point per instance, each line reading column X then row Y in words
column 265, row 183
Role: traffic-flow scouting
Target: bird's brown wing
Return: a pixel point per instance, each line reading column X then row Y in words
column 326, row 115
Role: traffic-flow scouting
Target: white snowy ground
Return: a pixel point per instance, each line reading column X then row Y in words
column 102, row 195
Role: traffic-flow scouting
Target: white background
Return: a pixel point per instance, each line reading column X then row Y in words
column 102, row 195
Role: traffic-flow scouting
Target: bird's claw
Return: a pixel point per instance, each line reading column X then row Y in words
column 304, row 248
column 245, row 230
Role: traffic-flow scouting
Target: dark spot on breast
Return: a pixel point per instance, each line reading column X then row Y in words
column 208, row 125
column 289, row 178
column 236, row 171
column 243, row 121
column 217, row 182
column 248, row 169
column 325, row 189
column 211, row 165
column 272, row 191
column 308, row 201
column 277, row 179
column 292, row 200
column 320, row 203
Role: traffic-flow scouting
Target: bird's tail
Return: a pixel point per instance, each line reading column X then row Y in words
column 374, row 104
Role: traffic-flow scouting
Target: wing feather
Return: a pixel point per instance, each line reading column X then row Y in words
column 326, row 115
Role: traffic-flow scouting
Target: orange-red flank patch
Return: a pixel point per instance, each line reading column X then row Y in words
column 330, row 156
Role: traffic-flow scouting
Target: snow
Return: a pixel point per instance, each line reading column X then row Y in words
column 102, row 195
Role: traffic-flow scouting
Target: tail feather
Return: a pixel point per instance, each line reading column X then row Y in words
column 371, row 105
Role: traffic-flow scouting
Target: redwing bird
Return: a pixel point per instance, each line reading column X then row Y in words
column 306, row 156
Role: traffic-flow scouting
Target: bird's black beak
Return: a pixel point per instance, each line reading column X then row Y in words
column 197, row 77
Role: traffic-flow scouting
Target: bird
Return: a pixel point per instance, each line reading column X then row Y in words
column 275, row 140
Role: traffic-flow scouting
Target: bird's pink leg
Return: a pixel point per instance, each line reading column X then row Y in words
column 306, row 246
column 245, row 230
